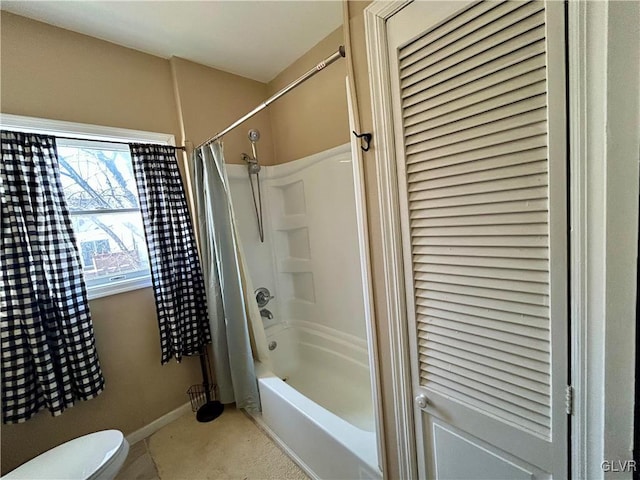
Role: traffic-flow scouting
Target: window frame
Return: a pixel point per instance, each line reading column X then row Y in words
column 81, row 131
column 103, row 286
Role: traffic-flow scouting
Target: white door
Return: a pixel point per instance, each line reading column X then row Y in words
column 478, row 94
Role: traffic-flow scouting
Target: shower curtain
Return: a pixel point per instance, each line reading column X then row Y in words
column 236, row 326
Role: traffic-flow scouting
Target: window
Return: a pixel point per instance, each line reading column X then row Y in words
column 91, row 248
column 97, row 178
column 98, row 182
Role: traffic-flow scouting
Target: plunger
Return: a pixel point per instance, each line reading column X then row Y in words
column 211, row 409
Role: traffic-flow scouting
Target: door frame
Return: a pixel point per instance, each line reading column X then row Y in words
column 604, row 105
column 601, row 371
column 375, row 17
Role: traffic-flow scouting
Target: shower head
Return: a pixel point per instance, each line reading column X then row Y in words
column 254, row 135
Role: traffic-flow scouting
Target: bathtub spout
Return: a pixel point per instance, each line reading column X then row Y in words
column 265, row 313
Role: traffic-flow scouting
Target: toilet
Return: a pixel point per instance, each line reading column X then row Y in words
column 97, row 456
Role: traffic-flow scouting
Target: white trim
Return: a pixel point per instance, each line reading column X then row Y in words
column 577, row 55
column 604, row 101
column 367, row 281
column 91, row 143
column 82, row 130
column 157, row 424
column 376, row 16
column 99, row 291
column 621, row 135
column 382, row 10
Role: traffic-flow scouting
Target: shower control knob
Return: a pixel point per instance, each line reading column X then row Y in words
column 263, row 295
column 422, row 401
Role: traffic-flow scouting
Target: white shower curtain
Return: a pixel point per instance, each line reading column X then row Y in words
column 236, row 326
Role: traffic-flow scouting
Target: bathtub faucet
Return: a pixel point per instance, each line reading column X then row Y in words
column 265, row 313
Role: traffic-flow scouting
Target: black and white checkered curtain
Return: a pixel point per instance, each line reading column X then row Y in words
column 49, row 357
column 175, row 268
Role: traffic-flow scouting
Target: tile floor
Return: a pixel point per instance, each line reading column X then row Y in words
column 139, row 464
column 230, row 447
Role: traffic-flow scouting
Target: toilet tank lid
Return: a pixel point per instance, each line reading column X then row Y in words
column 77, row 458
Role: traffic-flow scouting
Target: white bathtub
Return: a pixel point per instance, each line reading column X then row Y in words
column 317, row 404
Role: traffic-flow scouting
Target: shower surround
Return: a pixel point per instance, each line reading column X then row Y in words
column 317, row 401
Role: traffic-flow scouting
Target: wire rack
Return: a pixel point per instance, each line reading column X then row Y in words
column 198, row 395
column 199, row 392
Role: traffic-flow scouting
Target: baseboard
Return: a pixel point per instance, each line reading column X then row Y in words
column 157, row 424
column 257, row 419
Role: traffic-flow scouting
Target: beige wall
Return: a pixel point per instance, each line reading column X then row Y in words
column 210, row 100
column 53, row 73
column 312, row 117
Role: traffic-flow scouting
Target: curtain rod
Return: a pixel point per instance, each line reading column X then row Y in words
column 320, row 66
column 115, row 141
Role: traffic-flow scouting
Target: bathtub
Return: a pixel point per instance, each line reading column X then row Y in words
column 317, row 405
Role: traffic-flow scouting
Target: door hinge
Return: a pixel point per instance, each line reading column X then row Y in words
column 569, row 399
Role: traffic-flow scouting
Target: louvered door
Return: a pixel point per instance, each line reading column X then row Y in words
column 479, row 102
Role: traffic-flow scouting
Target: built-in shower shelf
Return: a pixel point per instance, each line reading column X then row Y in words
column 292, row 197
column 290, row 222
column 298, row 286
column 293, row 244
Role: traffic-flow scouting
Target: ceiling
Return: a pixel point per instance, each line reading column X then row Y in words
column 255, row 39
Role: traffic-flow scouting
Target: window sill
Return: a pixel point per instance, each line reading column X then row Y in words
column 100, row 291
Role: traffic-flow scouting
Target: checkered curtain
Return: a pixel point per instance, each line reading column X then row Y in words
column 175, row 268
column 49, row 357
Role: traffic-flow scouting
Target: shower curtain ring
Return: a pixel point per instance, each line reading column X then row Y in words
column 366, row 138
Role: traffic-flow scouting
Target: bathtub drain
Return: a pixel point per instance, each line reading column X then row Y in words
column 273, row 345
